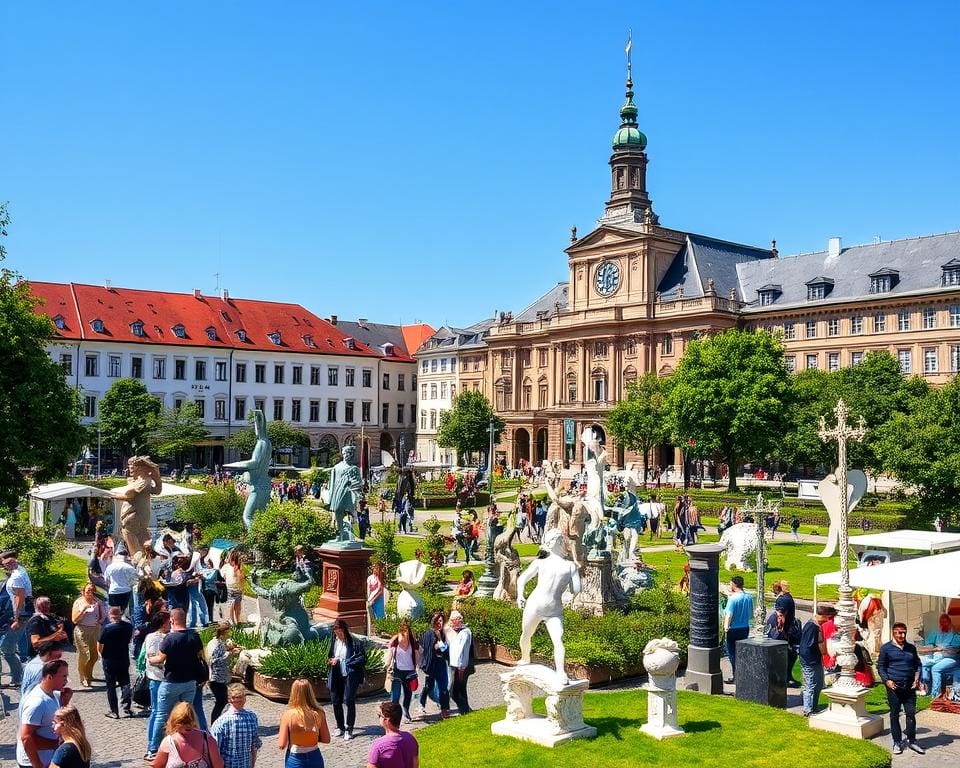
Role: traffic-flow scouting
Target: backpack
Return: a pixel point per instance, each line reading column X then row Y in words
column 6, row 608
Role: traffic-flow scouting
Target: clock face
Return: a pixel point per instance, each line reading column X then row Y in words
column 607, row 278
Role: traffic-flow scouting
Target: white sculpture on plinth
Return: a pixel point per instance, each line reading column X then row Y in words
column 661, row 658
column 740, row 542
column 410, row 575
column 555, row 575
column 829, row 490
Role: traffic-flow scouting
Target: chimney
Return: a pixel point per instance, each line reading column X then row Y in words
column 226, row 295
column 333, row 319
column 833, row 248
column 773, row 249
column 196, row 293
column 108, row 284
column 362, row 322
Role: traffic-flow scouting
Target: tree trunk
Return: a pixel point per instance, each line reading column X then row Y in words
column 646, row 451
column 731, row 473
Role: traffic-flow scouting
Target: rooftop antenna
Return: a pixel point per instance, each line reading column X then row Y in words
column 217, row 289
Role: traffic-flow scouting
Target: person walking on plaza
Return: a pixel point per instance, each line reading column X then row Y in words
column 88, row 616
column 237, row 731
column 376, row 598
column 74, row 750
column 114, row 649
column 179, row 653
column 460, row 642
column 346, row 663
column 20, row 593
column 899, row 669
column 36, row 740
column 396, row 748
column 218, row 653
column 232, row 572
column 736, row 621
column 810, row 650
column 159, row 627
column 33, row 669
column 434, row 657
column 303, row 728
column 122, row 578
column 402, row 661
column 185, row 744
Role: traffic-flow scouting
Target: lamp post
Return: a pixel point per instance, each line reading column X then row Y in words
column 760, row 510
column 492, row 429
column 98, row 450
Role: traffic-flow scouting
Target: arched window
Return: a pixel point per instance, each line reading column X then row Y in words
column 526, row 393
column 571, row 387
column 598, row 378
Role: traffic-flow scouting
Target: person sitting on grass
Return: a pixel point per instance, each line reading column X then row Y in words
column 466, row 587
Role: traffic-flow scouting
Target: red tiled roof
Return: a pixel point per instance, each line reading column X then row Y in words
column 160, row 312
column 415, row 335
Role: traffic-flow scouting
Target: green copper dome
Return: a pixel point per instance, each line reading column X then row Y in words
column 629, row 134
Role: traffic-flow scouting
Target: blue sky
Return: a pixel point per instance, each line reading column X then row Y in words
column 425, row 161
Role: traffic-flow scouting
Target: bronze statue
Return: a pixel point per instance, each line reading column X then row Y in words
column 346, row 487
column 143, row 482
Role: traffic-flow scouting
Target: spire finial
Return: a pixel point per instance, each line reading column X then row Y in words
column 627, row 51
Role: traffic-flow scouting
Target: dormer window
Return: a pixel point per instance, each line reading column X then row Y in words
column 388, row 349
column 274, row 337
column 308, row 340
column 769, row 294
column 951, row 273
column 136, row 328
column 97, row 326
column 883, row 280
column 60, row 322
column 349, row 343
column 242, row 335
column 180, row 331
column 211, row 333
column 819, row 288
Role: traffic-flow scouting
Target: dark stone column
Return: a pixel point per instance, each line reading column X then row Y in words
column 762, row 671
column 703, row 654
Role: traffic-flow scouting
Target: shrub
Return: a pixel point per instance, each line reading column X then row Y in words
column 283, row 525
column 310, row 660
column 434, row 556
column 384, row 544
column 36, row 545
column 218, row 512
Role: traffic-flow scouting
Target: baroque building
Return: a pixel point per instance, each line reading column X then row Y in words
column 639, row 291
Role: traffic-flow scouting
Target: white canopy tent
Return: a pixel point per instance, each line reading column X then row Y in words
column 913, row 591
column 930, row 542
column 47, row 501
column 162, row 505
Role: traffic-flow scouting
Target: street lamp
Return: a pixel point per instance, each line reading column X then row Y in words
column 492, row 429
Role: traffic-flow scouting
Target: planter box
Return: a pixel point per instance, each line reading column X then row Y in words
column 278, row 688
column 445, row 502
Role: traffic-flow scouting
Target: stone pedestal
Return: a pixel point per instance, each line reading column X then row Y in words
column 487, row 583
column 847, row 713
column 762, row 671
column 661, row 708
column 344, row 586
column 564, row 703
column 600, row 591
column 703, row 653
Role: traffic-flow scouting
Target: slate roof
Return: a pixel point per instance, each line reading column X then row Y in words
column 702, row 258
column 160, row 311
column 376, row 335
column 918, row 261
column 455, row 339
column 546, row 303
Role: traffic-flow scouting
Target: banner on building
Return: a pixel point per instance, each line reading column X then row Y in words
column 569, row 431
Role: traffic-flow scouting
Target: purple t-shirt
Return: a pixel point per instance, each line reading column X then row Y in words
column 395, row 750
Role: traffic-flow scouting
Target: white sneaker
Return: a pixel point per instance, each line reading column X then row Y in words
column 348, row 736
column 419, row 712
column 338, row 733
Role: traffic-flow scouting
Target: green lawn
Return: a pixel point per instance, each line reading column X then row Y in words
column 786, row 560
column 720, row 731
column 67, row 574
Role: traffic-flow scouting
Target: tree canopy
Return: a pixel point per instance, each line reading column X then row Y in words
column 177, row 430
column 922, row 448
column 282, row 435
column 729, row 394
column 642, row 420
column 128, row 415
column 466, row 426
column 39, row 412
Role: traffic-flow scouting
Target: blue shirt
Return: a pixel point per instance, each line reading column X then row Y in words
column 237, row 732
column 948, row 639
column 898, row 664
column 740, row 610
column 32, row 672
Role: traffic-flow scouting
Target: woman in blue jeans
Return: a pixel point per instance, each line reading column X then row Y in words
column 303, row 728
column 159, row 626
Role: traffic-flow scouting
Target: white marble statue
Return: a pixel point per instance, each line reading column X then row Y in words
column 829, row 490
column 661, row 658
column 594, row 460
column 740, row 542
column 410, row 575
column 555, row 575
column 567, row 513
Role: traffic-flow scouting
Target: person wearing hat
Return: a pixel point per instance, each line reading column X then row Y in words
column 810, row 651
column 736, row 620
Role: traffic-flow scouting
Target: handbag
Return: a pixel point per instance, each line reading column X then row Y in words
column 413, row 681
column 141, row 691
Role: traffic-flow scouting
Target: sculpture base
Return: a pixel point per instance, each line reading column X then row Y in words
column 564, row 703
column 762, row 671
column 661, row 710
column 338, row 544
column 344, row 586
column 847, row 714
column 703, row 670
column 600, row 591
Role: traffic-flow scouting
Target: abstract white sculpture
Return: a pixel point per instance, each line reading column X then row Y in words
column 740, row 542
column 410, row 574
column 829, row 490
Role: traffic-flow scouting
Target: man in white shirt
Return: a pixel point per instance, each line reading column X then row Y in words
column 121, row 578
column 20, row 591
column 36, row 740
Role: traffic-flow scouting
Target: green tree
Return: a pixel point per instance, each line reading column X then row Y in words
column 466, row 426
column 729, row 393
column 177, row 430
column 922, row 448
column 282, row 435
column 39, row 412
column 641, row 421
column 128, row 416
column 813, row 393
